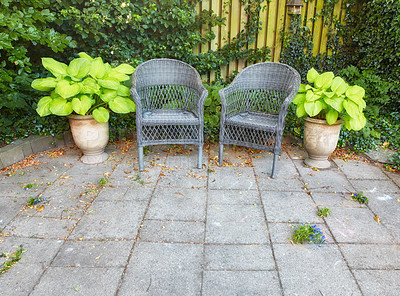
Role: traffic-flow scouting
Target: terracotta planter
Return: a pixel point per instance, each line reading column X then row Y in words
column 320, row 140
column 90, row 136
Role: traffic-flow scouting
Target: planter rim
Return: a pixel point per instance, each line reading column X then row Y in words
column 322, row 121
column 81, row 117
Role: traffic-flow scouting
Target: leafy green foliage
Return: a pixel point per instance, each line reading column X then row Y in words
column 85, row 86
column 360, row 198
column 212, row 111
column 11, row 259
column 329, row 97
column 324, row 212
column 307, row 233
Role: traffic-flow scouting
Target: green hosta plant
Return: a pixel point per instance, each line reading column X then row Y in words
column 86, row 86
column 329, row 97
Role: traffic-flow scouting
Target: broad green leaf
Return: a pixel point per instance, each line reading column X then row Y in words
column 81, row 105
column 311, row 96
column 43, row 106
column 207, row 101
column 214, row 120
column 356, row 94
column 61, row 107
column 85, row 56
column 113, row 74
column 79, row 68
column 335, row 102
column 101, row 114
column 312, row 75
column 324, row 80
column 54, row 94
column 302, row 88
column 44, row 84
column 351, row 108
column 313, row 108
column 300, row 111
column 299, row 99
column 339, row 86
column 107, row 95
column 121, row 105
column 332, row 116
column 329, row 94
column 357, row 123
column 109, row 83
column 67, row 90
column 123, row 91
column 125, row 69
column 89, row 86
column 97, row 68
column 56, row 68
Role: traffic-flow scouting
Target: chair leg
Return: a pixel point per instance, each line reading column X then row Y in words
column 184, row 147
column 274, row 166
column 200, row 157
column 221, row 154
column 141, row 162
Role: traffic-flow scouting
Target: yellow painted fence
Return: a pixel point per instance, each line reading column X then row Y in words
column 274, row 18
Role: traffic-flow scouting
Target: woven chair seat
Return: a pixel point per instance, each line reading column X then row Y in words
column 170, row 117
column 254, row 120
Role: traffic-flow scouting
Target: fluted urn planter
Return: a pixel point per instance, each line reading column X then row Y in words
column 90, row 136
column 320, row 140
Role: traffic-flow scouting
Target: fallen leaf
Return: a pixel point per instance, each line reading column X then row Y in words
column 127, row 172
column 76, row 288
column 41, row 208
column 98, row 257
column 315, row 169
column 376, row 218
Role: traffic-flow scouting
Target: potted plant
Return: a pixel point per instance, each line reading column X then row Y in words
column 327, row 102
column 85, row 91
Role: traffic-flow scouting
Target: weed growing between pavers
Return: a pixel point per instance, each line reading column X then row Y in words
column 103, row 182
column 360, row 197
column 324, row 212
column 11, row 259
column 35, row 200
column 30, row 186
column 307, row 233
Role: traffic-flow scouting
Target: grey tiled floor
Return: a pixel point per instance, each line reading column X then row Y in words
column 177, row 230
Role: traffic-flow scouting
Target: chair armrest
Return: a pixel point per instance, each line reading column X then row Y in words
column 138, row 103
column 293, row 89
column 227, row 106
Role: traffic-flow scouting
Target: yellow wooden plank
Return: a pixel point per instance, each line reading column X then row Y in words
column 310, row 15
column 234, row 29
column 243, row 20
column 197, row 49
column 281, row 12
column 216, row 7
column 318, row 26
column 224, row 37
column 272, row 16
column 205, row 4
column 262, row 34
column 336, row 13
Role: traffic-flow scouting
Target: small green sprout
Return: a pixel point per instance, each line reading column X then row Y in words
column 103, row 182
column 324, row 212
column 360, row 197
column 11, row 259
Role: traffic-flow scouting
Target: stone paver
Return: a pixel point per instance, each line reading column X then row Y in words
column 174, row 229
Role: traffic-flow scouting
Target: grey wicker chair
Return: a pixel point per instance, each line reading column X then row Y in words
column 254, row 108
column 169, row 98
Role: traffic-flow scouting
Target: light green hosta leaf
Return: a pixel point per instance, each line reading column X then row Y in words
column 313, row 108
column 114, row 74
column 335, row 102
column 332, row 116
column 107, row 95
column 61, row 107
column 44, row 84
column 329, row 94
column 312, row 75
column 123, row 91
column 67, row 90
column 101, row 114
column 97, row 68
column 54, row 95
column 109, row 83
column 43, row 106
column 81, row 105
column 357, row 123
column 125, row 69
column 356, row 94
column 324, row 80
column 79, row 68
column 56, row 68
column 299, row 99
column 89, row 86
column 300, row 111
column 339, row 86
column 122, row 105
column 85, row 56
column 302, row 88
column 311, row 96
column 351, row 108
